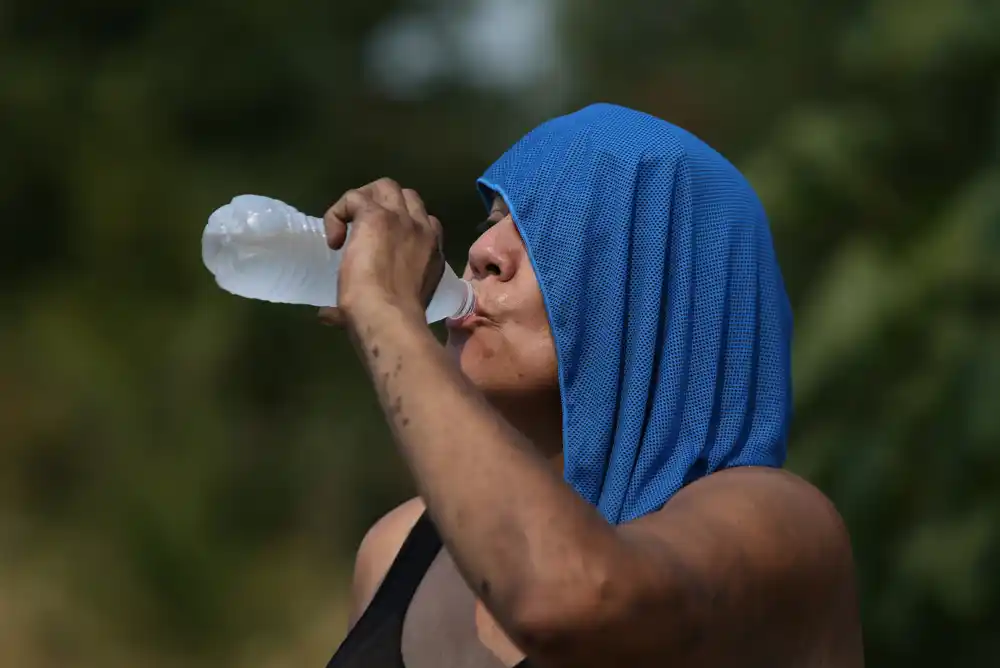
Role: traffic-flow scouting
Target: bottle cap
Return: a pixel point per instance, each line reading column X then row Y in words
column 468, row 305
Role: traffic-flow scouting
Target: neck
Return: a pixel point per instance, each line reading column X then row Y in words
column 540, row 420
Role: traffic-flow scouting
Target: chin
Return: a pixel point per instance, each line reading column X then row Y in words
column 480, row 362
column 494, row 366
column 487, row 375
column 471, row 348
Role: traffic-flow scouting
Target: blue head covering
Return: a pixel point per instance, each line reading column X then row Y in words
column 667, row 306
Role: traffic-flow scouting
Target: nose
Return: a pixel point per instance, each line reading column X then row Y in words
column 489, row 257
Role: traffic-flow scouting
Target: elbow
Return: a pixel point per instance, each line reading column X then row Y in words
column 554, row 616
column 548, row 625
column 619, row 608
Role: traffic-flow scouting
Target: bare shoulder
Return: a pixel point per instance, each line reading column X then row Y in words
column 377, row 551
column 773, row 555
column 765, row 498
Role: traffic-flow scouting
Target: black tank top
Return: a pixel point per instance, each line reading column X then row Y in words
column 376, row 639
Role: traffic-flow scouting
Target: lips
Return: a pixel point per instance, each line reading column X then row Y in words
column 456, row 323
column 476, row 318
column 468, row 322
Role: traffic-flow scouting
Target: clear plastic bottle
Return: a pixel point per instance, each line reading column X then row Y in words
column 262, row 248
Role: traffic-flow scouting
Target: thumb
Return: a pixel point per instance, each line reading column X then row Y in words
column 336, row 230
column 331, row 316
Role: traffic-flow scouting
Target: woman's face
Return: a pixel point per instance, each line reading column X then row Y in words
column 506, row 347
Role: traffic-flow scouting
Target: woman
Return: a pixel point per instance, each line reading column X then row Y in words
column 598, row 448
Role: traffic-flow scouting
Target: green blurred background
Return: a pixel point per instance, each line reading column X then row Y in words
column 184, row 474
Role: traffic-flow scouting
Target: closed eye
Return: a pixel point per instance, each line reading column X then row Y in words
column 484, row 226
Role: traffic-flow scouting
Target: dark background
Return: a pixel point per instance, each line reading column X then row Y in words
column 184, row 474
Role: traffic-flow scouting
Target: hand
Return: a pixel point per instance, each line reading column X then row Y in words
column 394, row 254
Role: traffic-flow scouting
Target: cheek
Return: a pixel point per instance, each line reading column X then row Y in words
column 512, row 358
column 518, row 354
column 482, row 353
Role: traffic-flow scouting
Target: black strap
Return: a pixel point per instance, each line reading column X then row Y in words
column 376, row 639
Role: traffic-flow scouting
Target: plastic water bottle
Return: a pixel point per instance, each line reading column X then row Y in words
column 262, row 248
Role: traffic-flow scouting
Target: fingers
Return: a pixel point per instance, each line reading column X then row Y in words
column 384, row 195
column 438, row 231
column 331, row 316
column 387, row 193
column 418, row 212
column 351, row 205
column 415, row 206
column 436, row 226
column 393, row 226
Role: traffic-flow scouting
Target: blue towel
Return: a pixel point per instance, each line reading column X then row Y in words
column 667, row 306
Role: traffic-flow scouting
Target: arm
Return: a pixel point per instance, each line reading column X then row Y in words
column 741, row 555
column 747, row 566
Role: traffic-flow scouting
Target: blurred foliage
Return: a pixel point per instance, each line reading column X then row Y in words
column 184, row 474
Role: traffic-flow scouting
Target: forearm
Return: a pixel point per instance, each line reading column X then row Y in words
column 513, row 527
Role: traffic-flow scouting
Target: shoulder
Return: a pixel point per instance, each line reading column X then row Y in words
column 764, row 508
column 785, row 530
column 767, row 542
column 378, row 550
column 769, row 496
